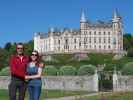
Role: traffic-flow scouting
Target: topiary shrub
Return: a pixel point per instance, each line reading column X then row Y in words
column 128, row 69
column 68, row 70
column 5, row 71
column 50, row 70
column 86, row 70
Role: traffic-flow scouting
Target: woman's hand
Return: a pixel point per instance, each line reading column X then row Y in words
column 26, row 77
column 41, row 65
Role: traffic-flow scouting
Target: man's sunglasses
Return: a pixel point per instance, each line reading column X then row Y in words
column 20, row 48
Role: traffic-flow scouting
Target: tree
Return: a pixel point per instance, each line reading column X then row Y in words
column 8, row 46
column 130, row 52
column 3, row 58
column 29, row 47
column 127, row 41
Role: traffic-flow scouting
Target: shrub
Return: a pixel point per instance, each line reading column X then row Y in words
column 128, row 69
column 130, row 52
column 5, row 71
column 68, row 70
column 110, row 67
column 86, row 70
column 50, row 70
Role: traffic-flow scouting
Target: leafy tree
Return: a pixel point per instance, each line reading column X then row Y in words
column 8, row 46
column 3, row 58
column 127, row 41
column 130, row 52
column 29, row 47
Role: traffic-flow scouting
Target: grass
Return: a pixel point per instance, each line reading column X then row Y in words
column 58, row 93
column 111, row 96
column 45, row 94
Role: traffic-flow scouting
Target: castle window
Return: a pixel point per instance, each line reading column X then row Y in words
column 95, row 46
column 85, row 46
column 58, row 41
column 104, row 40
column 94, row 40
column 90, row 32
column 109, row 46
column 66, row 41
column 75, row 47
column 108, row 33
column 95, row 33
column 85, row 32
column 85, row 40
column 99, row 46
column 90, row 40
column 79, row 43
column 90, row 46
column 104, row 47
column 104, row 33
column 99, row 33
column 99, row 40
column 74, row 40
column 108, row 40
column 59, row 48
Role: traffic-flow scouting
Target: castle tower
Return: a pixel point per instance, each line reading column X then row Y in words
column 83, row 21
column 118, row 31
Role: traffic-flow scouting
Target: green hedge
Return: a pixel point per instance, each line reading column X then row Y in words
column 5, row 71
column 68, row 70
column 50, row 70
column 86, row 70
column 128, row 69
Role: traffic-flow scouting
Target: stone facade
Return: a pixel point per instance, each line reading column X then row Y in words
column 101, row 36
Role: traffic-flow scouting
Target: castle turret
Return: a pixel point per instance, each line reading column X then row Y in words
column 116, row 20
column 83, row 21
column 118, row 31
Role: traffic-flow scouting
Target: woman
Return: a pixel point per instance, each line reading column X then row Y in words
column 34, row 71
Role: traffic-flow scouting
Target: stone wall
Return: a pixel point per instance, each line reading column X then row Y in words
column 85, row 83
column 122, row 83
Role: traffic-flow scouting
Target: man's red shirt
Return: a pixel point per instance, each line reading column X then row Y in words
column 18, row 65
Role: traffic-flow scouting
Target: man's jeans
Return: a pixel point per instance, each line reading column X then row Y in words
column 17, row 84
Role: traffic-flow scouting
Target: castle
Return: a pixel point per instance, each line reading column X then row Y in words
column 100, row 37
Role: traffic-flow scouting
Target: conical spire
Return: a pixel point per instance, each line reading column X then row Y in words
column 115, row 14
column 82, row 19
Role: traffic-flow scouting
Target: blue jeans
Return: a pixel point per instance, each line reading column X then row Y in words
column 34, row 92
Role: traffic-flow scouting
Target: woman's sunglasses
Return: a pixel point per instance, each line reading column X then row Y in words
column 34, row 54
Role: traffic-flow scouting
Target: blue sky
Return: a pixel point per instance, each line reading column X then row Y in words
column 19, row 19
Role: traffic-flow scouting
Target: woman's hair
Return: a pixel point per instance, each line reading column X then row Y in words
column 38, row 57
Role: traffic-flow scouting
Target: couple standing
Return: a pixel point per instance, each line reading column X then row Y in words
column 25, row 73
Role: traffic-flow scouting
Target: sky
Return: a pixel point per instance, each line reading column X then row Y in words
column 20, row 19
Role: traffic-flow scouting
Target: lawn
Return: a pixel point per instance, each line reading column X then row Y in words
column 57, row 93
column 111, row 96
column 46, row 94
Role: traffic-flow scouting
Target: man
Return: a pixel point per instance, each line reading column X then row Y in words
column 18, row 64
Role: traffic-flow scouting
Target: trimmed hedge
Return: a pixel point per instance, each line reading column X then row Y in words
column 5, row 71
column 68, row 70
column 86, row 70
column 128, row 69
column 50, row 70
